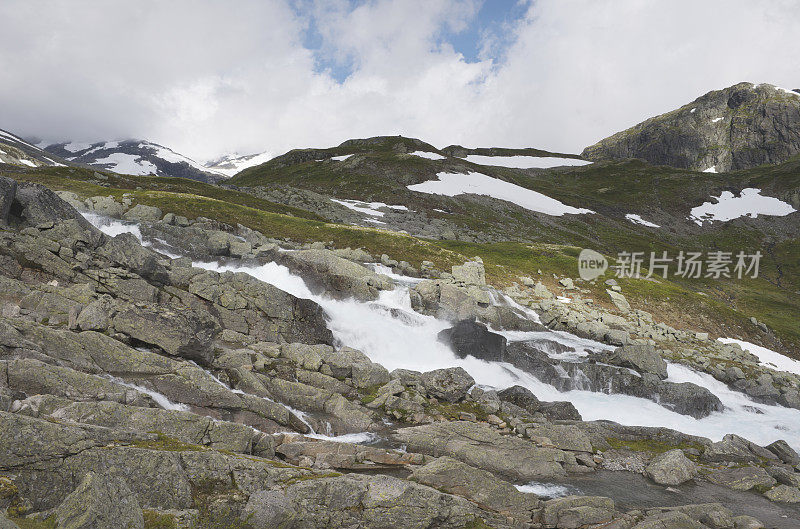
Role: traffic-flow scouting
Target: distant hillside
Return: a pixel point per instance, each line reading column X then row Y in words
column 739, row 127
column 16, row 151
column 134, row 157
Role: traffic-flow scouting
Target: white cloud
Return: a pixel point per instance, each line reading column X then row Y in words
column 205, row 77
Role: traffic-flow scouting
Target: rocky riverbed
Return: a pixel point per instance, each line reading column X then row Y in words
column 141, row 388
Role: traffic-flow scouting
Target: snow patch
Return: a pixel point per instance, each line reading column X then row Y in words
column 525, row 162
column 341, row 158
column 712, row 169
column 452, row 184
column 27, row 162
column 368, row 208
column 428, row 155
column 750, row 203
column 131, row 164
column 768, row 357
column 76, row 146
column 716, row 119
column 692, row 111
column 636, row 219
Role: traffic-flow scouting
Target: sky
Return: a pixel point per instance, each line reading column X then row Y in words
column 208, row 78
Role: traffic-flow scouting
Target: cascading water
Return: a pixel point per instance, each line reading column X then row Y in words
column 391, row 334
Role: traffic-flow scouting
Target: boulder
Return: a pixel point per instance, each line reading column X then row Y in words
column 744, row 478
column 671, row 468
column 469, row 338
column 105, row 206
column 784, row 494
column 39, row 206
column 178, row 332
column 573, row 512
column 140, row 212
column 470, row 273
column 669, row 520
column 269, row 508
column 784, row 452
column 454, row 477
column 8, row 189
column 481, row 446
column 525, row 399
column 642, row 358
column 101, row 501
column 451, row 384
column 619, row 301
column 126, row 250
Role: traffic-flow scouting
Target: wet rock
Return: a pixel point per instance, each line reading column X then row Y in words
column 101, row 501
column 747, row 522
column 525, row 399
column 469, row 338
column 671, row 468
column 642, row 358
column 483, row 447
column 451, row 384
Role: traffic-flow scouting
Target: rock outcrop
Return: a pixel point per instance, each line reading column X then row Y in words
column 739, row 127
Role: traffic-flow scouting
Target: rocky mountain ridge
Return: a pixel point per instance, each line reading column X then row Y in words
column 739, row 127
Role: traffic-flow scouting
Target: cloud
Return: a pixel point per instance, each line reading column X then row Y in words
column 207, row 77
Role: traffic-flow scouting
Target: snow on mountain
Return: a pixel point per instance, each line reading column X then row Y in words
column 231, row 164
column 16, row 151
column 135, row 157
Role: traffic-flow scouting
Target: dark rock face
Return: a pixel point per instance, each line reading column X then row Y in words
column 525, row 399
column 738, row 127
column 469, row 338
column 685, row 398
column 8, row 188
column 38, row 205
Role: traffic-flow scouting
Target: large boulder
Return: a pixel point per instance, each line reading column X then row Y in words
column 480, row 486
column 39, row 206
column 671, row 468
column 481, row 446
column 101, row 501
column 126, row 250
column 470, row 273
column 470, row 338
column 178, row 332
column 784, row 452
column 573, row 512
column 744, row 478
column 642, row 358
column 451, row 384
column 525, row 399
column 140, row 212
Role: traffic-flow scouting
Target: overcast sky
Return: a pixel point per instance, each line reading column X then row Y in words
column 210, row 77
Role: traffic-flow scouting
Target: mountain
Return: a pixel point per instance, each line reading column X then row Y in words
column 739, row 127
column 16, row 151
column 134, row 157
column 231, row 164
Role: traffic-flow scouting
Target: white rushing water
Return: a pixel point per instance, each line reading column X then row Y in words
column 392, row 334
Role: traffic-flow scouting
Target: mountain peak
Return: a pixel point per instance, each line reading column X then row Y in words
column 738, row 127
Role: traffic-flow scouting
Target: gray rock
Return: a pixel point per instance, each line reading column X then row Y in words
column 42, row 207
column 269, row 508
column 140, row 212
column 470, row 273
column 744, row 478
column 5, row 523
column 619, row 301
column 469, row 338
column 8, row 189
column 671, row 468
column 101, row 501
column 451, row 384
column 784, row 452
column 642, row 358
column 105, row 206
column 479, row 486
column 573, row 512
column 669, row 520
column 784, row 494
column 483, row 447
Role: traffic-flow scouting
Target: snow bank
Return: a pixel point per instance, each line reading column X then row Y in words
column 768, row 357
column 636, row 219
column 368, row 208
column 452, row 184
column 428, row 155
column 525, row 162
column 341, row 158
column 131, row 164
column 749, row 203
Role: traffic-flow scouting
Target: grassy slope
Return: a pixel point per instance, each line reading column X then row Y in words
column 721, row 307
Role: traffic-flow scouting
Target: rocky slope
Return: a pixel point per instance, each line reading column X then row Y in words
column 739, row 127
column 137, row 390
column 16, row 151
column 134, row 157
